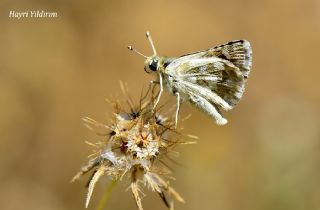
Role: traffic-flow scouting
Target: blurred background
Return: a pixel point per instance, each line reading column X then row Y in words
column 54, row 71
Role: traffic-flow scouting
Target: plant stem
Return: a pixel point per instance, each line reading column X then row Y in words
column 106, row 194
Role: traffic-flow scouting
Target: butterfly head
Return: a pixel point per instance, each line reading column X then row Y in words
column 151, row 64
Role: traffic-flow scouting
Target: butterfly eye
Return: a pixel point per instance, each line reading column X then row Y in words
column 147, row 70
column 153, row 65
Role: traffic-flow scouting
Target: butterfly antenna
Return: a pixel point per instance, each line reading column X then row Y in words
column 151, row 43
column 136, row 51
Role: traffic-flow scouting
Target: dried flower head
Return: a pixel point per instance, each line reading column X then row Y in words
column 137, row 143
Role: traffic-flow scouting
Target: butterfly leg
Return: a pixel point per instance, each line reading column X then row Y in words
column 178, row 108
column 160, row 92
column 152, row 82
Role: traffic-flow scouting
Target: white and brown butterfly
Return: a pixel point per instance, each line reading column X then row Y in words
column 210, row 80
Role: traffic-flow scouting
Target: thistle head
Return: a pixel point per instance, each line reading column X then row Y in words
column 134, row 148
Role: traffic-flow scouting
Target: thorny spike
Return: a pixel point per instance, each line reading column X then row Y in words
column 91, row 164
column 135, row 192
column 97, row 174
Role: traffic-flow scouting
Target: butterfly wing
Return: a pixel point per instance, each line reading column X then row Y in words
column 215, row 77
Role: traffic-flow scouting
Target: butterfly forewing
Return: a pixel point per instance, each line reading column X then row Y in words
column 237, row 52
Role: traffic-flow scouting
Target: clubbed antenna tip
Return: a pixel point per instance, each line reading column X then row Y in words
column 136, row 51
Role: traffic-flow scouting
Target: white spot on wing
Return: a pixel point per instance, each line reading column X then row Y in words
column 177, row 65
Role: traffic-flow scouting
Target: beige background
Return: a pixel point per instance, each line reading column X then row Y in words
column 55, row 71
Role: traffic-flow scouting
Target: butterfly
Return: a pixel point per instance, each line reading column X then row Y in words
column 210, row 80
